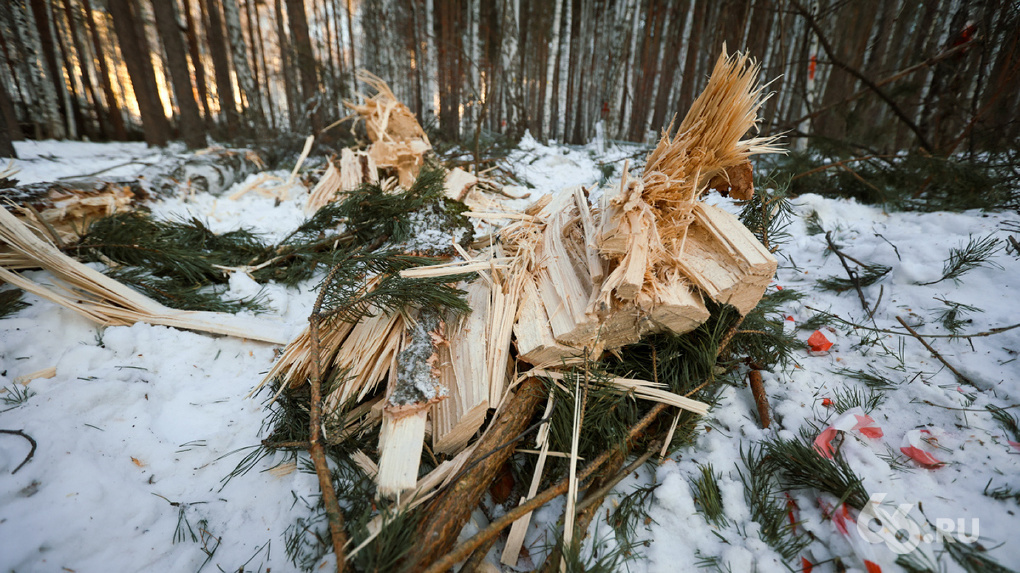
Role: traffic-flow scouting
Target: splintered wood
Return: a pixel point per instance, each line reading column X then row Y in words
column 561, row 283
column 398, row 141
column 99, row 298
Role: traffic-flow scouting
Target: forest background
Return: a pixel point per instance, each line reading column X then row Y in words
column 868, row 76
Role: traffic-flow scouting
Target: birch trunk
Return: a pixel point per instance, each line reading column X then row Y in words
column 512, row 97
column 45, row 94
column 218, row 49
column 561, row 109
column 629, row 73
column 286, row 67
column 245, row 82
column 554, row 48
column 431, row 59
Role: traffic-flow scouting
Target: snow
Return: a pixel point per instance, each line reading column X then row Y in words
column 141, row 424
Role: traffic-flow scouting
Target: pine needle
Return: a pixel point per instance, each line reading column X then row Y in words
column 976, row 253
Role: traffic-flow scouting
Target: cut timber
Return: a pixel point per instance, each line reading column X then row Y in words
column 414, row 385
column 535, row 341
column 69, row 208
column 458, row 183
column 465, row 372
column 401, row 440
column 355, row 168
column 106, row 301
column 505, row 296
column 398, row 141
column 564, row 283
column 725, row 260
column 364, row 358
column 678, row 308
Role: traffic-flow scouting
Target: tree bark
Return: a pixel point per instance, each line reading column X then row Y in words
column 270, row 108
column 85, row 68
column 286, row 62
column 250, row 98
column 192, row 131
column 52, row 72
column 554, row 50
column 196, row 62
column 218, row 49
column 305, row 62
column 456, row 503
column 135, row 49
column 6, row 131
column 113, row 113
column 69, row 89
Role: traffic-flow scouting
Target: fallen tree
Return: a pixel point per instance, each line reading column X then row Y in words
column 560, row 287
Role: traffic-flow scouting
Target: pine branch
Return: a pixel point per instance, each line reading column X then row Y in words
column 974, row 254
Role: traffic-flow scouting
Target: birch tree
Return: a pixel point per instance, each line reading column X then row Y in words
column 218, row 50
column 245, row 82
column 554, row 48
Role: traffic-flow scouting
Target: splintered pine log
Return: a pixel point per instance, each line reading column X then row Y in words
column 353, row 169
column 398, row 141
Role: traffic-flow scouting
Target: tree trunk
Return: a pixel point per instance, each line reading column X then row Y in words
column 554, row 50
column 196, row 62
column 69, row 89
column 218, row 49
column 135, row 50
column 512, row 73
column 116, row 119
column 84, row 58
column 191, row 128
column 46, row 106
column 305, row 62
column 270, row 107
column 350, row 37
column 249, row 92
column 6, row 131
column 286, row 63
column 52, row 75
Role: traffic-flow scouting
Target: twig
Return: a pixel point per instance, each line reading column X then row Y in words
column 841, row 163
column 850, row 272
column 934, row 352
column 897, row 251
column 282, row 445
column 111, row 168
column 315, row 448
column 30, row 452
column 990, row 332
column 760, row 398
column 464, row 549
column 898, row 75
column 603, row 491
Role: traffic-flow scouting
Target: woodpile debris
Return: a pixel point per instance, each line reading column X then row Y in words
column 399, row 146
column 99, row 298
column 561, row 284
column 398, row 140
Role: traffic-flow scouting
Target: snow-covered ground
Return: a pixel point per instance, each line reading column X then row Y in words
column 140, row 425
